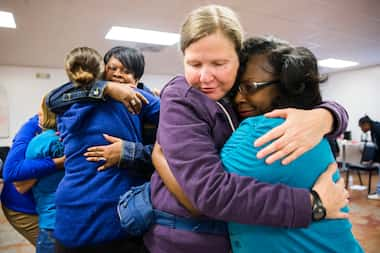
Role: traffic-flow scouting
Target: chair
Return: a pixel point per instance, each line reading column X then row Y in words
column 366, row 164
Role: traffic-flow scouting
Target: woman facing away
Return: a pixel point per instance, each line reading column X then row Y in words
column 193, row 128
column 277, row 75
column 87, row 219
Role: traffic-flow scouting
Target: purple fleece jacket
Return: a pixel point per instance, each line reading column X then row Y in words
column 192, row 130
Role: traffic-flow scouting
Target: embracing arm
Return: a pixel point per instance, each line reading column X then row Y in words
column 166, row 175
column 25, row 185
column 139, row 155
column 195, row 163
column 340, row 118
column 61, row 98
column 18, row 168
column 134, row 156
column 302, row 130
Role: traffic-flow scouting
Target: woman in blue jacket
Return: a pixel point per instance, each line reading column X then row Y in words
column 275, row 76
column 87, row 197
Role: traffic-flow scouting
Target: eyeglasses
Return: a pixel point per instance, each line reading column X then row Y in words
column 247, row 88
column 113, row 68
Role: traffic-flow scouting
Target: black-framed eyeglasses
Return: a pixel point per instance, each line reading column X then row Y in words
column 247, row 88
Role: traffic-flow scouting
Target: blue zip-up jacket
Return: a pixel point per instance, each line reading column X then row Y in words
column 17, row 168
column 86, row 198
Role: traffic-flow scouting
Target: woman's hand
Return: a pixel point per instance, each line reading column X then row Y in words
column 333, row 195
column 302, row 130
column 59, row 162
column 25, row 185
column 126, row 95
column 111, row 153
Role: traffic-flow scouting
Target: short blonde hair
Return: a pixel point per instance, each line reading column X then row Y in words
column 208, row 20
column 49, row 117
column 83, row 66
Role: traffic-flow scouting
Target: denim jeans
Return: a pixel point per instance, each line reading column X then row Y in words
column 45, row 241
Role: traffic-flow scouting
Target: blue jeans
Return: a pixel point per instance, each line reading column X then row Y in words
column 45, row 241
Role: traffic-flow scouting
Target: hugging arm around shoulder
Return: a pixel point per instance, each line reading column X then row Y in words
column 138, row 156
column 340, row 117
column 186, row 135
column 61, row 98
column 16, row 166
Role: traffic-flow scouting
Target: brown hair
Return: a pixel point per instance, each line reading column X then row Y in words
column 83, row 66
column 49, row 117
column 208, row 20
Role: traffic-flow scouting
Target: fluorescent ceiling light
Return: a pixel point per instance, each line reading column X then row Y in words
column 336, row 64
column 142, row 36
column 7, row 20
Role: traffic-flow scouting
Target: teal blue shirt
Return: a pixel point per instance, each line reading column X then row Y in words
column 46, row 144
column 239, row 156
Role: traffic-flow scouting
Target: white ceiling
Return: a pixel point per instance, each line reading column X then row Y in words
column 48, row 29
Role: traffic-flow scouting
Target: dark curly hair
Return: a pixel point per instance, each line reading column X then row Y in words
column 296, row 69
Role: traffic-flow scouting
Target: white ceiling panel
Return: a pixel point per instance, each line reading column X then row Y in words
column 48, row 29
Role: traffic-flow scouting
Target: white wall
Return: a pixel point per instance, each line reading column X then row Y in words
column 25, row 91
column 358, row 91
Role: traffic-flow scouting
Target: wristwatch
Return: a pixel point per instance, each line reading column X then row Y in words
column 318, row 210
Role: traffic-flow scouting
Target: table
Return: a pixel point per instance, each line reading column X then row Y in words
column 350, row 152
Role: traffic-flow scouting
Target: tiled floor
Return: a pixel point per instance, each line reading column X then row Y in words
column 365, row 217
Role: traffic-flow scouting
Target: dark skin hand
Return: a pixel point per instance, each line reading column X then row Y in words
column 126, row 95
column 109, row 153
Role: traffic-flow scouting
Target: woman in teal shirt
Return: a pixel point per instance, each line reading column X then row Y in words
column 276, row 76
